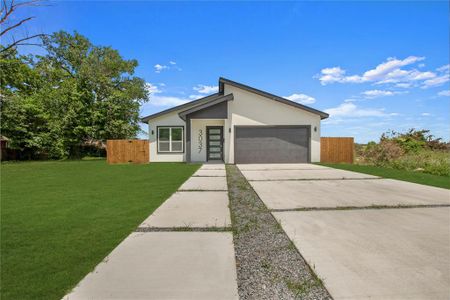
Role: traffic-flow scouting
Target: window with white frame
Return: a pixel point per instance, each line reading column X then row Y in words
column 170, row 139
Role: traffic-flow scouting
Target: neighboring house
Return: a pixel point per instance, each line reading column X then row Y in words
column 239, row 124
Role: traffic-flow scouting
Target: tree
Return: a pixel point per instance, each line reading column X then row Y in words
column 8, row 24
column 76, row 94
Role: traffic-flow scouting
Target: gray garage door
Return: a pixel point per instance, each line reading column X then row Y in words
column 271, row 144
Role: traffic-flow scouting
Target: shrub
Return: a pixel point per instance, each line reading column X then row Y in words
column 382, row 153
column 427, row 161
column 415, row 150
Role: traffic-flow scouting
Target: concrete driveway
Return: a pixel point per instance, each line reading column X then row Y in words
column 361, row 251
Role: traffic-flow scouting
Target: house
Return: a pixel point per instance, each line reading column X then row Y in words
column 239, row 124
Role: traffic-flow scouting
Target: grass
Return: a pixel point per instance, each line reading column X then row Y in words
column 411, row 176
column 60, row 219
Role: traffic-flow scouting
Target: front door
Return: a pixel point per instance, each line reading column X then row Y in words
column 214, row 140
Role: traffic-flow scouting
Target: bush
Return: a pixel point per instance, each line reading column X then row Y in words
column 383, row 153
column 415, row 150
column 427, row 161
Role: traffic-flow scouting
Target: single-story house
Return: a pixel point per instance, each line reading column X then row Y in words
column 238, row 124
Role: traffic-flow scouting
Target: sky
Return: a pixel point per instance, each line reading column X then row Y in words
column 373, row 66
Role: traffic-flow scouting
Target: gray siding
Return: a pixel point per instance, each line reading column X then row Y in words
column 218, row 111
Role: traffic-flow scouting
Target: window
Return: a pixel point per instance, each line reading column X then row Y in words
column 170, row 139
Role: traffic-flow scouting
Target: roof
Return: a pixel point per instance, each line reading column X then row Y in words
column 185, row 106
column 223, row 81
column 219, row 97
column 204, row 105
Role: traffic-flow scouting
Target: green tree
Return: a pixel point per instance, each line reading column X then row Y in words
column 76, row 94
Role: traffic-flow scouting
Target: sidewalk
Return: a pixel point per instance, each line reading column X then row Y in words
column 169, row 258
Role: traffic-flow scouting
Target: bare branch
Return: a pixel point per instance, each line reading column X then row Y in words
column 20, row 42
column 8, row 10
column 15, row 25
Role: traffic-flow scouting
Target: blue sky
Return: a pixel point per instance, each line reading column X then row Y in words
column 373, row 66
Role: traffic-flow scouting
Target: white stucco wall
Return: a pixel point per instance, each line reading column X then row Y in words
column 198, row 125
column 170, row 119
column 246, row 109
column 252, row 109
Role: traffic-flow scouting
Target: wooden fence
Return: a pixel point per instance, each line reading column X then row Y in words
column 127, row 151
column 336, row 150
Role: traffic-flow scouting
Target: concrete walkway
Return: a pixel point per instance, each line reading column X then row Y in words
column 173, row 264
column 192, row 209
column 389, row 253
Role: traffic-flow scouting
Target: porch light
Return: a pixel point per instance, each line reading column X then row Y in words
column 315, row 129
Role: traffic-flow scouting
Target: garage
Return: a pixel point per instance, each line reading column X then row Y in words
column 272, row 144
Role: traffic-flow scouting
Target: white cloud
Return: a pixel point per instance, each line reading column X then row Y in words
column 403, row 85
column 406, row 76
column 370, row 94
column 443, row 77
column 444, row 69
column 206, row 89
column 301, row 98
column 157, row 100
column 172, row 66
column 159, row 68
column 195, row 97
column 392, row 64
column 388, row 72
column 336, row 74
column 351, row 110
column 445, row 93
column 152, row 88
column 425, row 114
column 435, row 81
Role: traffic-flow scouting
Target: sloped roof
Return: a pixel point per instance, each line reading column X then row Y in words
column 204, row 105
column 214, row 97
column 223, row 81
column 182, row 106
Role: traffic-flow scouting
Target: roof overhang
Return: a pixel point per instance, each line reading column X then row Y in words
column 182, row 106
column 207, row 104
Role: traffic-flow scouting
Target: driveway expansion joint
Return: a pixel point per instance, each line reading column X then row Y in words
column 359, row 207
column 183, row 229
column 316, row 179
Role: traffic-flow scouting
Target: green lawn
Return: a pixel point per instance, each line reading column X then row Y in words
column 417, row 177
column 60, row 219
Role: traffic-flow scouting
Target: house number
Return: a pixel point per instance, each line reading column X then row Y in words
column 200, row 140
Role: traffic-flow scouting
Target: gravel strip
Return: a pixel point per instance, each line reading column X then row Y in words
column 268, row 264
